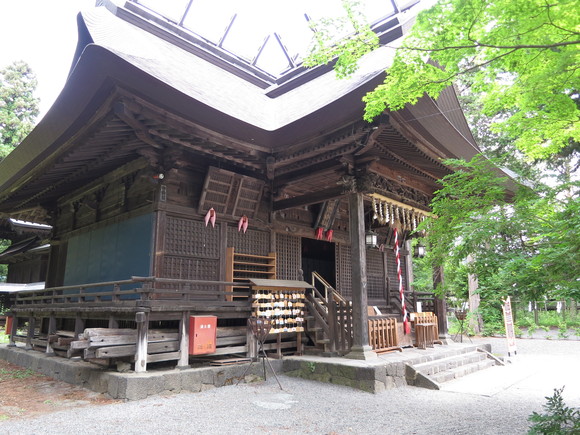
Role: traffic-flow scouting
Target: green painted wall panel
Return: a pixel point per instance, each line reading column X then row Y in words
column 111, row 253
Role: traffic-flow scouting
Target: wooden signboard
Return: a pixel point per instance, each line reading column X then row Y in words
column 509, row 326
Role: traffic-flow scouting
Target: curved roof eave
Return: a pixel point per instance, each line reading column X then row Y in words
column 99, row 71
column 426, row 118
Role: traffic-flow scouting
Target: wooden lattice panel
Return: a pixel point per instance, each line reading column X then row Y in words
column 392, row 271
column 289, row 254
column 189, row 237
column 249, row 196
column 344, row 270
column 230, row 194
column 251, row 242
column 191, row 268
column 375, row 275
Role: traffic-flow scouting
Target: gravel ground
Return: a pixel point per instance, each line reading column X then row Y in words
column 495, row 401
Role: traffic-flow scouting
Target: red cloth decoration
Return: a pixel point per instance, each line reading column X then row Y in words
column 210, row 217
column 329, row 235
column 318, row 233
column 243, row 224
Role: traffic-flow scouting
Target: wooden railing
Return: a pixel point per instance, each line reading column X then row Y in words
column 134, row 292
column 383, row 334
column 427, row 301
column 334, row 315
column 329, row 291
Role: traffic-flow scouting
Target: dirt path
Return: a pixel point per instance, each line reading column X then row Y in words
column 25, row 393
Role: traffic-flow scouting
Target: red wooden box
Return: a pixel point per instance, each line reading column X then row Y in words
column 202, row 334
column 9, row 320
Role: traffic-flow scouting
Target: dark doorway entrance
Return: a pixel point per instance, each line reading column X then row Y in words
column 319, row 256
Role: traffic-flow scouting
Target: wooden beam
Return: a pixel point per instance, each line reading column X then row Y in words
column 311, row 198
column 123, row 113
column 305, row 172
column 203, row 148
column 169, row 119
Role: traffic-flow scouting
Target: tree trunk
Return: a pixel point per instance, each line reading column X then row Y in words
column 475, row 320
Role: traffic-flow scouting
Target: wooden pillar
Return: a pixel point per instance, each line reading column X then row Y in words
column 79, row 325
column 409, row 272
column 251, row 343
column 142, row 320
column 440, row 304
column 360, row 344
column 30, row 333
column 184, row 340
column 113, row 322
column 51, row 331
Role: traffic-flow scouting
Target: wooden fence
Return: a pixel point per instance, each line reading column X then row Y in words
column 383, row 335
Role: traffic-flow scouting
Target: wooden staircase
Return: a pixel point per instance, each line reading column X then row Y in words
column 328, row 320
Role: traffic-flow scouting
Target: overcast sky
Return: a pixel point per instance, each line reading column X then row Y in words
column 44, row 34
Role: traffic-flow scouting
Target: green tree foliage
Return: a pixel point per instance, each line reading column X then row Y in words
column 18, row 111
column 18, row 106
column 515, row 64
column 525, row 245
column 523, row 56
column 328, row 46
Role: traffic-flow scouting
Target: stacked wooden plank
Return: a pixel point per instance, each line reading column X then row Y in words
column 110, row 343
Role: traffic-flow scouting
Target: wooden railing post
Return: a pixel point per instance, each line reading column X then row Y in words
column 79, row 325
column 142, row 320
column 184, row 333
column 30, row 333
column 332, row 325
column 51, row 331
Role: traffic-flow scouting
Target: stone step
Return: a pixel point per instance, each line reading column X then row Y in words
column 461, row 371
column 445, row 353
column 443, row 364
column 436, row 370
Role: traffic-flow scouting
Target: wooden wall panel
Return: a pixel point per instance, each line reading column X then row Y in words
column 189, row 237
column 190, row 268
column 289, row 256
column 251, row 242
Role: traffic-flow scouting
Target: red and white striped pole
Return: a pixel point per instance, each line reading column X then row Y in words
column 406, row 325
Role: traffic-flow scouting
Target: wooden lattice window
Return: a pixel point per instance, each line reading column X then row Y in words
column 230, row 194
column 251, row 242
column 392, row 275
column 344, row 270
column 375, row 275
column 289, row 254
column 191, row 268
column 191, row 238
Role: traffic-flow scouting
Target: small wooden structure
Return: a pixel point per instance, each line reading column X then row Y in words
column 426, row 329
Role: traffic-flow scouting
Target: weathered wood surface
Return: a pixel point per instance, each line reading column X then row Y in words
column 130, row 350
column 98, row 332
